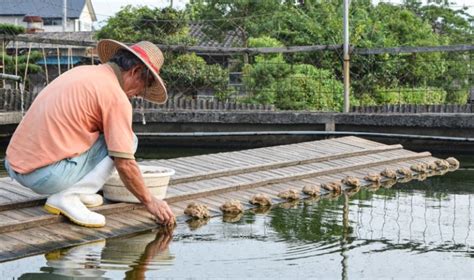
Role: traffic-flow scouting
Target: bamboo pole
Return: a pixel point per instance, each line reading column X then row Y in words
column 27, row 64
column 16, row 62
column 45, row 66
column 346, row 57
column 59, row 60
column 3, row 61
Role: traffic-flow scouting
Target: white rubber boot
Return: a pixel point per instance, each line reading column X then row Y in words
column 68, row 202
column 72, row 207
column 91, row 200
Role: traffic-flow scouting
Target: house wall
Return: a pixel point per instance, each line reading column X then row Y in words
column 85, row 20
column 17, row 20
column 84, row 23
column 59, row 28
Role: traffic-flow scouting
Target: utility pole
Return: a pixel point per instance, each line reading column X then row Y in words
column 64, row 15
column 346, row 56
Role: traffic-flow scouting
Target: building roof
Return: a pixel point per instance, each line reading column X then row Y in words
column 86, row 36
column 231, row 38
column 45, row 9
column 195, row 30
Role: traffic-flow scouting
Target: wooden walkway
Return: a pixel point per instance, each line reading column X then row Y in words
column 26, row 229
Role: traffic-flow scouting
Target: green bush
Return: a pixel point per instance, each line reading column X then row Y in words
column 187, row 73
column 260, row 79
column 309, row 88
column 457, row 96
column 271, row 80
column 11, row 29
column 427, row 95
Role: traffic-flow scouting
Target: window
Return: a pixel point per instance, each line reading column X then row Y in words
column 52, row 21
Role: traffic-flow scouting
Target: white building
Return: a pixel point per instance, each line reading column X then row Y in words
column 80, row 14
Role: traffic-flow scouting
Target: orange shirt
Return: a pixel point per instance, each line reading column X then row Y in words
column 67, row 117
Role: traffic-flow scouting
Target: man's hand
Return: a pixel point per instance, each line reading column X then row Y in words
column 161, row 211
column 132, row 178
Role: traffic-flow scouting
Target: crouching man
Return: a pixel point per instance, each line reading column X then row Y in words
column 80, row 127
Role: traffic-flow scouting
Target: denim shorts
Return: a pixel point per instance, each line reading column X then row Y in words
column 61, row 175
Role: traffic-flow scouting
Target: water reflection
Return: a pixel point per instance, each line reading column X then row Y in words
column 135, row 254
column 141, row 252
column 423, row 226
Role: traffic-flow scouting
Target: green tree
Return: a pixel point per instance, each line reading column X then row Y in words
column 188, row 73
column 455, row 26
column 10, row 29
column 271, row 80
column 20, row 61
column 309, row 88
column 247, row 18
column 160, row 26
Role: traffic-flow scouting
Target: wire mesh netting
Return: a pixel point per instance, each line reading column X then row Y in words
column 276, row 55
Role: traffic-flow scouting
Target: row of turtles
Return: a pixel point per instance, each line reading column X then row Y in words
column 234, row 207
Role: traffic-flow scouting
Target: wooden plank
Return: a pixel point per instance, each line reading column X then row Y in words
column 11, row 195
column 268, row 171
column 179, row 168
column 22, row 204
column 200, row 164
column 11, row 248
column 18, row 189
column 40, row 238
column 6, row 219
column 197, row 167
column 299, row 176
column 277, row 165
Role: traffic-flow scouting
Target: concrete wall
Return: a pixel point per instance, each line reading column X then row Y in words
column 178, row 128
column 458, row 125
column 163, row 128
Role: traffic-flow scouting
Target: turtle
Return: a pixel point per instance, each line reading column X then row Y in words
column 373, row 177
column 290, row 194
column 351, row 181
column 389, row 173
column 197, row 211
column 334, row 187
column 232, row 207
column 261, row 200
column 311, row 190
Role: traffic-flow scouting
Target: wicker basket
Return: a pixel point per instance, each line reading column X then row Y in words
column 156, row 179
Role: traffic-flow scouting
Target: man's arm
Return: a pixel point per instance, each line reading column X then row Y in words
column 132, row 178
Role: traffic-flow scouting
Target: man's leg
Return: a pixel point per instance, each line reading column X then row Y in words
column 71, row 182
column 63, row 174
column 70, row 202
column 84, row 190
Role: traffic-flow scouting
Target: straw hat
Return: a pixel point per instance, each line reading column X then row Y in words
column 149, row 54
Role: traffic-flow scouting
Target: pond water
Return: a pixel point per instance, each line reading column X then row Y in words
column 420, row 229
